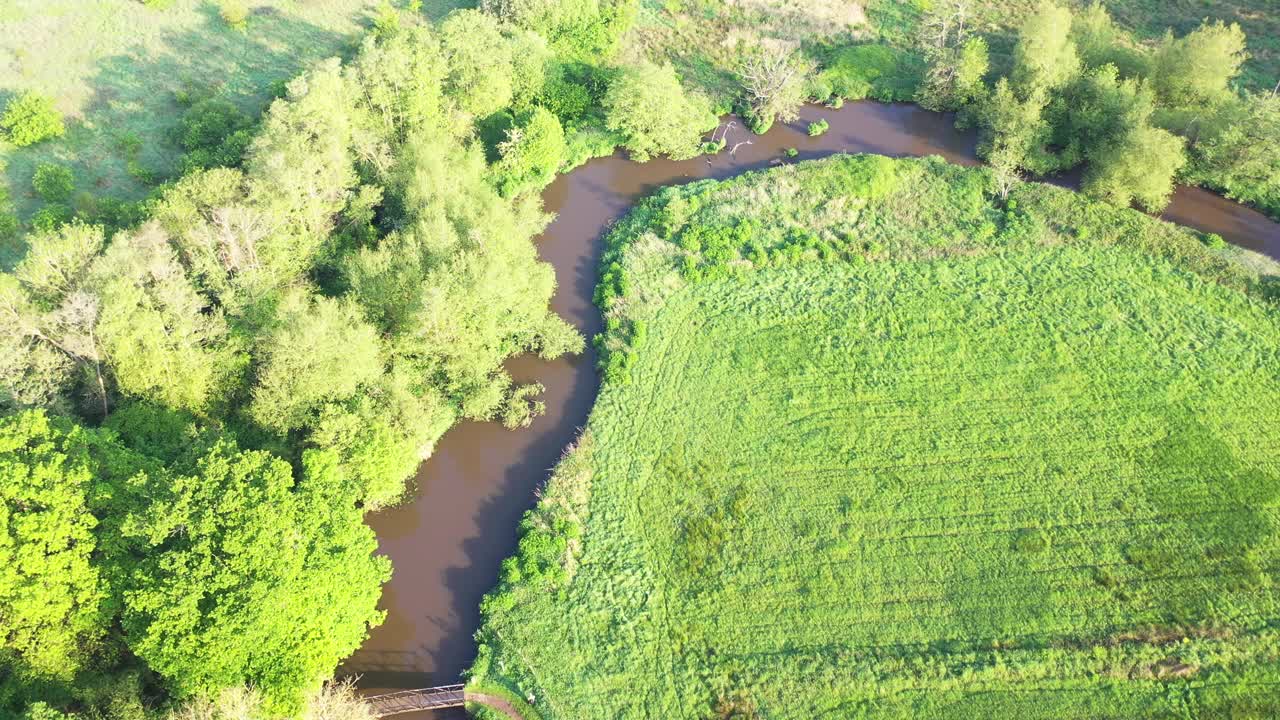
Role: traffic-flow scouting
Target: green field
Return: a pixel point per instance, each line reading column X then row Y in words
column 877, row 447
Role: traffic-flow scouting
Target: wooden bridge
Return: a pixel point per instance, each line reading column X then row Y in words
column 407, row 701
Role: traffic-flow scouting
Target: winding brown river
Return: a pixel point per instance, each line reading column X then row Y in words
column 447, row 544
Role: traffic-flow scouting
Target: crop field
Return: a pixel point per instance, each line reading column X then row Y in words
column 880, row 447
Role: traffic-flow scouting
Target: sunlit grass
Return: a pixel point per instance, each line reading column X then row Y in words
column 113, row 68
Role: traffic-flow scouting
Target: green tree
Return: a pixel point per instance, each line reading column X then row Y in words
column 52, row 598
column 459, row 288
column 218, row 233
column 236, row 575
column 300, row 170
column 53, row 183
column 1099, row 110
column 30, row 118
column 382, row 435
column 647, row 106
column 316, row 350
column 532, row 153
column 161, row 339
column 1100, row 42
column 215, row 133
column 577, row 29
column 530, row 60
column 1044, row 58
column 1242, row 157
column 955, row 76
column 1140, row 167
column 1198, row 67
column 48, row 323
column 398, row 81
column 1016, row 131
column 44, row 711
column 480, row 78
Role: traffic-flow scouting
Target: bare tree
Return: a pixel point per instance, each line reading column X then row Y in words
column 773, row 78
column 1004, row 171
column 945, row 26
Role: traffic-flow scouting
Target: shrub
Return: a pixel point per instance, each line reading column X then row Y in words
column 791, row 152
column 818, row 128
column 53, row 183
column 234, row 13
column 1215, row 241
column 9, row 224
column 51, row 217
column 868, row 71
column 1031, row 541
column 215, row 133
column 31, row 118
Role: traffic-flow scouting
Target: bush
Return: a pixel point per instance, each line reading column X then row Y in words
column 31, row 118
column 51, row 217
column 234, row 13
column 215, row 133
column 818, row 128
column 53, row 183
column 9, row 224
column 1215, row 241
column 791, row 152
column 880, row 72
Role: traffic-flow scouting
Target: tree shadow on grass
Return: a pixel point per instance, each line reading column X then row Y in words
column 124, row 145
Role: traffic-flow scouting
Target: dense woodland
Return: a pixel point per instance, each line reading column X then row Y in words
column 203, row 392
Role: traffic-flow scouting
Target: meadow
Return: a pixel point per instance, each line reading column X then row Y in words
column 873, row 445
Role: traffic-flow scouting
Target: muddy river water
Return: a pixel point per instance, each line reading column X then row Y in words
column 447, row 544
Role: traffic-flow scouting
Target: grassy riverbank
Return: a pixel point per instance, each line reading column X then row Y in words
column 872, row 445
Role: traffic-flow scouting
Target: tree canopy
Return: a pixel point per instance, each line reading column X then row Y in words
column 53, row 599
column 242, row 577
column 1080, row 92
column 652, row 112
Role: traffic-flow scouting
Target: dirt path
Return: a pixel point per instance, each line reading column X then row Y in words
column 495, row 702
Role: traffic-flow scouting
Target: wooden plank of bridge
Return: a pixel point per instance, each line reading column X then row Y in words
column 407, row 701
